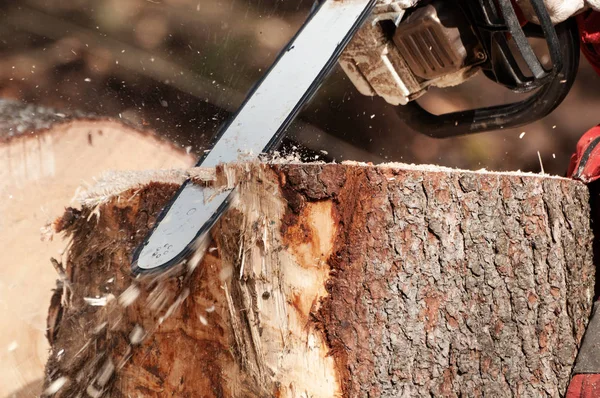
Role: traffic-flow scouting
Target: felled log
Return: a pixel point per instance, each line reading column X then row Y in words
column 44, row 156
column 332, row 280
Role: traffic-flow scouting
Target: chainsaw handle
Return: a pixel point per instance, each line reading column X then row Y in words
column 536, row 106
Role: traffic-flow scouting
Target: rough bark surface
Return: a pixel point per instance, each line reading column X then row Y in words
column 44, row 156
column 335, row 280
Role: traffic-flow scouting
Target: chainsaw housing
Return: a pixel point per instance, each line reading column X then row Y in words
column 398, row 59
column 403, row 50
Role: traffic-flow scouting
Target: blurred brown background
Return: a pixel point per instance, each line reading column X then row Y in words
column 181, row 67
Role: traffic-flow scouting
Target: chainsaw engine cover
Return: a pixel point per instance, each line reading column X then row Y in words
column 437, row 41
column 398, row 59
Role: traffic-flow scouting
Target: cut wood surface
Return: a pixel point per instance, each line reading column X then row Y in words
column 44, row 156
column 332, row 280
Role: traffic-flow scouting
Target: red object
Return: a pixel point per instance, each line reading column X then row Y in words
column 589, row 32
column 584, row 386
column 585, row 162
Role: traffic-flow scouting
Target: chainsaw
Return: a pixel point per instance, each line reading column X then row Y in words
column 394, row 49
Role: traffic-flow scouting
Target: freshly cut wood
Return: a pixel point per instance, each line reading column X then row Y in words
column 332, row 280
column 44, row 156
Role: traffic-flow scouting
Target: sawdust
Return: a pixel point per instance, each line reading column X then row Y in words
column 443, row 169
column 113, row 183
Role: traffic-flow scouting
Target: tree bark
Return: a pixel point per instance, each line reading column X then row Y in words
column 44, row 156
column 333, row 280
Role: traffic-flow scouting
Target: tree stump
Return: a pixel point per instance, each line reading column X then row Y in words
column 333, row 280
column 44, row 156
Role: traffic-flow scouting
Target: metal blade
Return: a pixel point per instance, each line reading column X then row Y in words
column 256, row 128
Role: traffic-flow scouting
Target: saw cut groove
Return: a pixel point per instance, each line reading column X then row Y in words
column 336, row 280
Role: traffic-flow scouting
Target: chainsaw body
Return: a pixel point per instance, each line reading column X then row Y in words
column 403, row 50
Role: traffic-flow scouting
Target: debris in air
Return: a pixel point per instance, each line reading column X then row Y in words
column 56, row 385
column 541, row 165
column 98, row 329
column 13, row 346
column 129, row 296
column 99, row 301
column 522, row 135
column 137, row 335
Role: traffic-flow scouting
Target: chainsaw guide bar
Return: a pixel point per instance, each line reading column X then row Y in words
column 257, row 128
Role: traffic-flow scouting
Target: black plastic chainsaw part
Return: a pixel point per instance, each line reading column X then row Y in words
column 497, row 25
